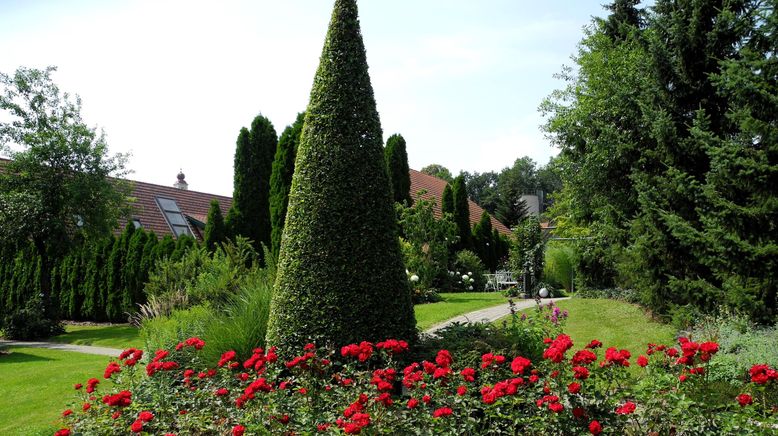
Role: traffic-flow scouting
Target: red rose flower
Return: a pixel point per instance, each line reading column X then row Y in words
column 462, row 390
column 642, row 361
column 145, row 416
column 238, row 430
column 744, row 400
column 595, row 428
column 67, row 412
column 412, row 403
column 137, row 426
column 520, row 364
column 574, row 388
column 86, row 407
column 626, row 409
column 443, row 411
column 62, row 432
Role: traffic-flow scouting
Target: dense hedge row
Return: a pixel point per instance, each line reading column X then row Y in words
column 96, row 281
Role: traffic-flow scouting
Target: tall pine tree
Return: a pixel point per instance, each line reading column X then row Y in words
column 341, row 277
column 281, row 180
column 399, row 171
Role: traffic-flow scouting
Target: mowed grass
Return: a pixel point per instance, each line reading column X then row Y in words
column 615, row 323
column 455, row 304
column 114, row 336
column 36, row 385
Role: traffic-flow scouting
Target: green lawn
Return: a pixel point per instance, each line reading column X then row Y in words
column 36, row 385
column 115, row 336
column 455, row 304
column 615, row 323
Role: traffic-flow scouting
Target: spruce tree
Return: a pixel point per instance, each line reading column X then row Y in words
column 399, row 171
column 462, row 214
column 249, row 215
column 341, row 277
column 281, row 180
column 447, row 202
column 215, row 232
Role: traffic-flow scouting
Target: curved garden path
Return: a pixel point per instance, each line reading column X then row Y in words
column 86, row 349
column 490, row 314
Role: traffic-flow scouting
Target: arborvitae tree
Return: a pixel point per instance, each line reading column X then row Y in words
column 462, row 214
column 249, row 215
column 447, row 202
column 115, row 284
column 106, row 249
column 483, row 241
column 165, row 248
column 89, row 280
column 148, row 261
column 215, row 232
column 399, row 171
column 281, row 180
column 183, row 244
column 501, row 247
column 75, row 283
column 341, row 277
column 131, row 273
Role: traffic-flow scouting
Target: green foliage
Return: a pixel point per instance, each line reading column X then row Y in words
column 29, row 323
column 426, row 243
column 341, row 276
column 484, row 243
column 667, row 131
column 281, row 180
column 447, row 202
column 167, row 331
column 469, row 272
column 165, row 248
column 462, row 214
column 58, row 183
column 399, row 172
column 215, row 230
column 559, row 265
column 526, row 255
column 438, row 171
column 513, row 182
column 249, row 215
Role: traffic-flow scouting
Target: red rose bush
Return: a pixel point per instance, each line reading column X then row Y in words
column 363, row 389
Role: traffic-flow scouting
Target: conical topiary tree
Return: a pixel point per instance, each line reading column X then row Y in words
column 215, row 232
column 399, row 171
column 341, row 277
column 281, row 180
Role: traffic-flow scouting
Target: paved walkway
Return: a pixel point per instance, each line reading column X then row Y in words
column 490, row 314
column 86, row 349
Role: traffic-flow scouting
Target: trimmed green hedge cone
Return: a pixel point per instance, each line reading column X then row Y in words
column 341, row 277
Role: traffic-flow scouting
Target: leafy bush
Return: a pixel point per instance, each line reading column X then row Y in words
column 426, row 243
column 29, row 323
column 166, row 331
column 526, row 254
column 559, row 264
column 468, row 273
column 422, row 296
column 742, row 344
column 624, row 294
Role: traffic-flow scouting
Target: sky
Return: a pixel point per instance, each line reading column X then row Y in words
column 172, row 82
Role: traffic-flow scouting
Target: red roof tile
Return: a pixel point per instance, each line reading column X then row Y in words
column 435, row 186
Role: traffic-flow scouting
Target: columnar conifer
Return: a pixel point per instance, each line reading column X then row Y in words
column 447, row 202
column 399, row 171
column 215, row 232
column 462, row 213
column 341, row 276
column 281, row 180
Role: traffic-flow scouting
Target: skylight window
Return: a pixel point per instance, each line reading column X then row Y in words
column 136, row 223
column 174, row 217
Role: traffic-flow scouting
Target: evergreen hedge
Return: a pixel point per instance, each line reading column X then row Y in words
column 341, row 276
column 215, row 231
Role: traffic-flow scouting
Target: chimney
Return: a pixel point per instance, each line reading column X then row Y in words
column 181, row 183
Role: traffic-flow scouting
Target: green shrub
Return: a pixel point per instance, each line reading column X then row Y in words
column 468, row 273
column 341, row 276
column 29, row 323
column 741, row 344
column 558, row 269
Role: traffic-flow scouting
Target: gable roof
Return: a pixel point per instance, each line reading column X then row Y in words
column 435, row 186
column 194, row 206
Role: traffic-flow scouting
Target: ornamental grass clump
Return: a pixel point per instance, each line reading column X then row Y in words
column 341, row 277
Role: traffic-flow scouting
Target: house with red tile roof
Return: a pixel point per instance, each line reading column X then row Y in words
column 175, row 210
column 432, row 189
